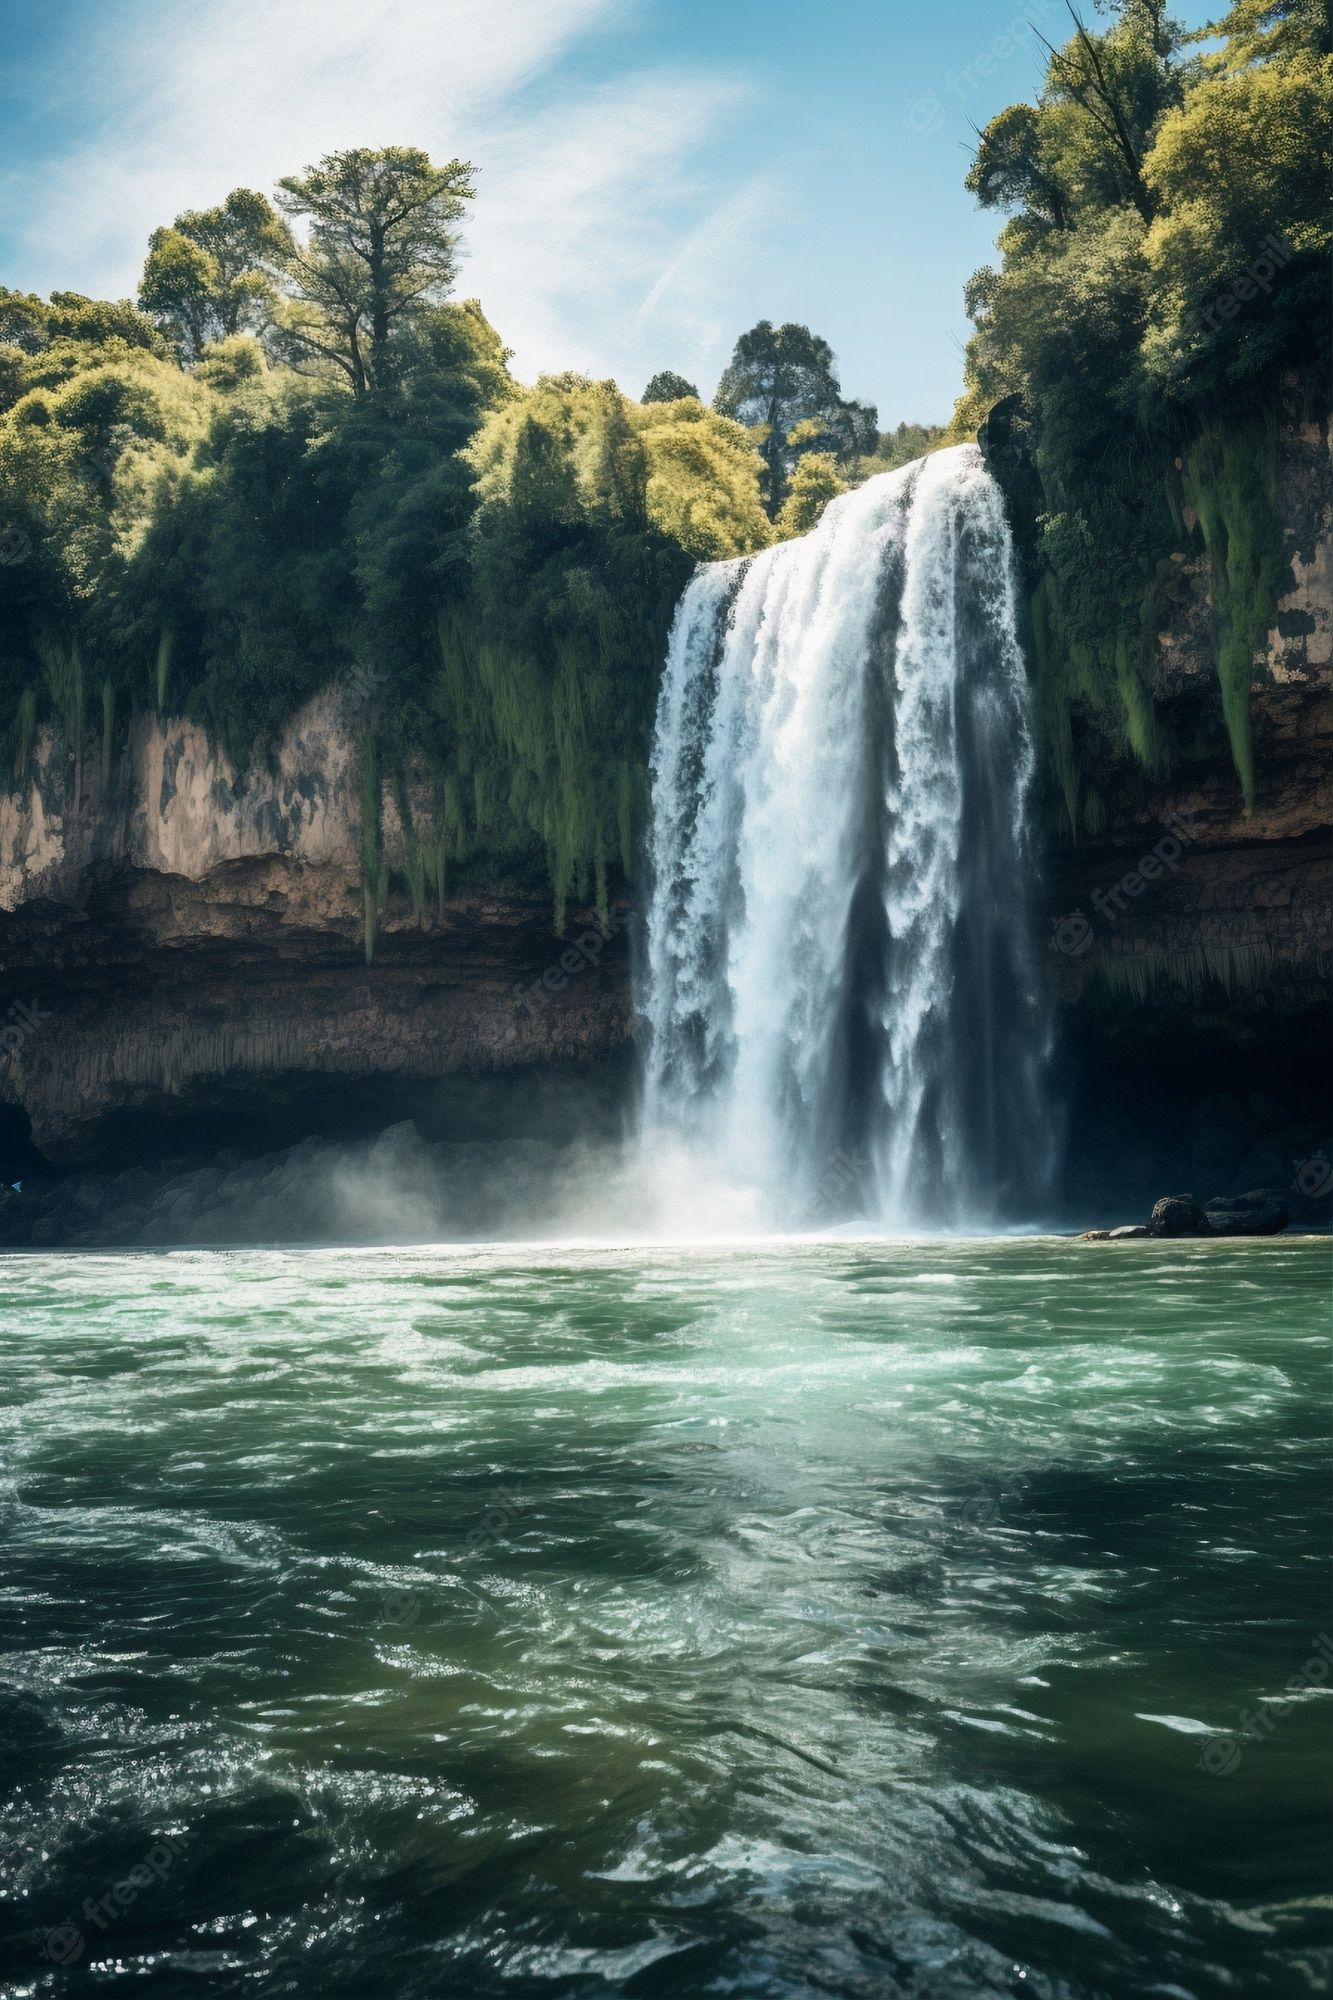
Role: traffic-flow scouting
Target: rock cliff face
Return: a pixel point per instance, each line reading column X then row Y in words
column 182, row 961
column 1190, row 918
column 1191, row 940
column 187, row 947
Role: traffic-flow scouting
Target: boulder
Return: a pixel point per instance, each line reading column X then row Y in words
column 123, row 1223
column 1222, row 1134
column 1127, row 1232
column 1272, row 1120
column 1261, row 1212
column 1177, row 1215
column 1270, row 1164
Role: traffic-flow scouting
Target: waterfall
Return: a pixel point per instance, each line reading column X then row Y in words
column 840, row 986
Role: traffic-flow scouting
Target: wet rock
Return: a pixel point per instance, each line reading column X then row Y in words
column 1272, row 1119
column 1270, row 1164
column 122, row 1224
column 16, row 1217
column 1126, row 1232
column 1259, row 1212
column 1177, row 1215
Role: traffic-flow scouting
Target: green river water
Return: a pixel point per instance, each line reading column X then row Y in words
column 835, row 1619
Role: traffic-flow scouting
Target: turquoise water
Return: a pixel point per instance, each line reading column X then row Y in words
column 930, row 1620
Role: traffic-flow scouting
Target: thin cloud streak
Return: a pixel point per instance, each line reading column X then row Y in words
column 589, row 242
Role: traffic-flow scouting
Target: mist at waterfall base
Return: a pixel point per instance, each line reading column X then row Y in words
column 840, row 988
column 840, row 1001
column 842, row 1028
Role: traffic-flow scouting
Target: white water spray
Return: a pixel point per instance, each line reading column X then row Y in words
column 840, row 985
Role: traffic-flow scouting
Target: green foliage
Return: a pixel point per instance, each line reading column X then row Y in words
column 210, row 276
column 1163, row 267
column 381, row 249
column 900, row 446
column 1260, row 30
column 814, row 483
column 1230, row 481
column 703, row 489
column 668, row 387
column 781, row 384
column 489, row 572
column 1237, row 257
column 579, row 552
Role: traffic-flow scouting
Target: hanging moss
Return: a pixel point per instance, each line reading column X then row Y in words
column 414, row 860
column 108, row 735
column 1202, row 972
column 1230, row 480
column 522, row 756
column 374, row 875
column 25, row 732
column 62, row 667
column 166, row 647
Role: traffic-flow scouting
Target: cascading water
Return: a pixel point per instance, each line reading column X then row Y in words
column 840, row 982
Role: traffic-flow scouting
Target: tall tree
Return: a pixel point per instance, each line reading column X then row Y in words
column 211, row 274
column 1259, row 30
column 380, row 249
column 668, row 387
column 1012, row 168
column 783, row 377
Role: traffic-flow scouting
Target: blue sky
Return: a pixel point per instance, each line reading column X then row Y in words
column 655, row 174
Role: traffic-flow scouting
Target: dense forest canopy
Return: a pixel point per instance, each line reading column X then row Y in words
column 1162, row 292
column 298, row 459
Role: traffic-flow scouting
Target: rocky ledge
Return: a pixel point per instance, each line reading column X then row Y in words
column 1258, row 1212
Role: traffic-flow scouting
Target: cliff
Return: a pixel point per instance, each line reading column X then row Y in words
column 182, row 956
column 1190, row 917
column 187, row 946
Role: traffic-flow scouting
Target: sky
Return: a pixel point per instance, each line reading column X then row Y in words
column 653, row 175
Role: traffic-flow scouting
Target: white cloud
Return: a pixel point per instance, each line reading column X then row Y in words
column 577, row 216
column 590, row 242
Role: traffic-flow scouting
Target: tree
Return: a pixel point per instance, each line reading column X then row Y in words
column 1238, row 257
column 1119, row 84
column 1127, row 364
column 782, row 377
column 1259, row 30
column 899, row 447
column 381, row 249
column 703, row 480
column 814, row 483
column 667, row 387
column 1010, row 170
column 210, row 275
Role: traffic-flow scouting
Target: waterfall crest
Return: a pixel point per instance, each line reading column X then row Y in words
column 842, row 998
